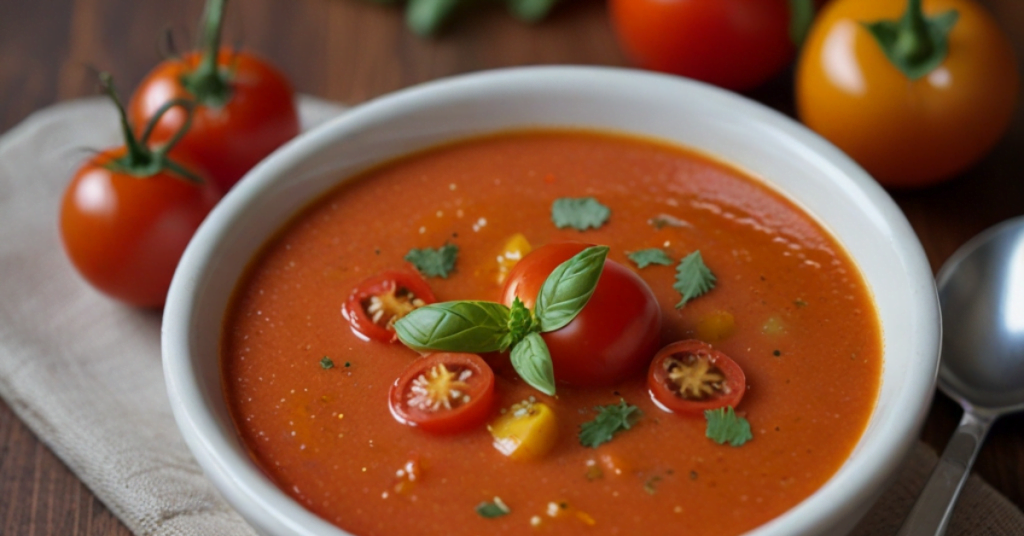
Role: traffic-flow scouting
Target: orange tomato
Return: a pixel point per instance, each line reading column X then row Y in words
column 907, row 133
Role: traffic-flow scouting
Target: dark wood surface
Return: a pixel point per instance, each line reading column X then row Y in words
column 351, row 51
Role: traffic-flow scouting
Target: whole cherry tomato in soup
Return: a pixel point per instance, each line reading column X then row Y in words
column 127, row 216
column 443, row 393
column 377, row 303
column 612, row 338
column 735, row 44
column 908, row 131
column 246, row 107
column 689, row 377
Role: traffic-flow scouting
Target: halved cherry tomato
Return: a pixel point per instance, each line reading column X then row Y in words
column 688, row 377
column 612, row 338
column 245, row 106
column 443, row 393
column 736, row 44
column 376, row 303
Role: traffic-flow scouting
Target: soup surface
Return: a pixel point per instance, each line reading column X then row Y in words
column 788, row 306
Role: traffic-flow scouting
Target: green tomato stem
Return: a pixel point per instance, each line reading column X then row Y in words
column 208, row 83
column 139, row 160
column 915, row 44
column 136, row 155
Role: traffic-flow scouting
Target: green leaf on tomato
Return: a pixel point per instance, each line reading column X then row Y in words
column 724, row 426
column 532, row 361
column 579, row 213
column 916, row 44
column 521, row 323
column 433, row 262
column 569, row 287
column 647, row 257
column 458, row 326
column 693, row 278
column 610, row 420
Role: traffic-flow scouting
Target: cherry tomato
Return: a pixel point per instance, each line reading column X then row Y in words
column 615, row 334
column 125, row 233
column 443, row 393
column 689, row 377
column 735, row 44
column 245, row 107
column 377, row 303
column 907, row 133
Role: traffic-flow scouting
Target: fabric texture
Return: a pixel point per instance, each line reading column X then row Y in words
column 84, row 372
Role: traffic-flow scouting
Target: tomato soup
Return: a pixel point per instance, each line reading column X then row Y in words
column 310, row 397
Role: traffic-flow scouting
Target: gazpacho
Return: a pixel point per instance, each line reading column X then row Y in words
column 551, row 332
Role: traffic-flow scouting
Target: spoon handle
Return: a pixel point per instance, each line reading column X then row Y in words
column 931, row 513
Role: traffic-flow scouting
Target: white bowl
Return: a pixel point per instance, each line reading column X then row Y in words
column 801, row 165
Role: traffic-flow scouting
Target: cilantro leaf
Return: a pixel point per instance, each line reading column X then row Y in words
column 725, row 427
column 647, row 257
column 492, row 509
column 437, row 262
column 693, row 278
column 610, row 420
column 579, row 213
column 326, row 363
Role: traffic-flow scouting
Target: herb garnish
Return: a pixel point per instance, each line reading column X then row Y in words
column 579, row 213
column 326, row 363
column 480, row 326
column 492, row 509
column 610, row 420
column 431, row 262
column 647, row 257
column 724, row 426
column 693, row 278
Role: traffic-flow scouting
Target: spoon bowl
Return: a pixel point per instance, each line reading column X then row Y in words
column 981, row 291
column 981, row 295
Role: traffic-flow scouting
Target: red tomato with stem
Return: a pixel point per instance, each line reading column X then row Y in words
column 245, row 107
column 127, row 216
column 377, row 303
column 443, row 393
column 612, row 338
column 689, row 377
column 735, row 44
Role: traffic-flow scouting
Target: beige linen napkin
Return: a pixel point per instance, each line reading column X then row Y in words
column 84, row 372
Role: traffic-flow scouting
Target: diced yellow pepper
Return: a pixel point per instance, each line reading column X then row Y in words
column 527, row 431
column 715, row 326
column 516, row 247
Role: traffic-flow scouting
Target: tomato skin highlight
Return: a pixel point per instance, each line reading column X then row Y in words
column 259, row 116
column 125, row 234
column 464, row 415
column 735, row 44
column 906, row 133
column 385, row 282
column 612, row 338
column 665, row 395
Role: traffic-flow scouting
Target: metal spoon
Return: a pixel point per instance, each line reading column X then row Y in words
column 981, row 293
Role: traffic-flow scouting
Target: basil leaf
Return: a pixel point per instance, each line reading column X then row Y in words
column 569, row 287
column 530, row 10
column 426, row 17
column 456, row 326
column 532, row 361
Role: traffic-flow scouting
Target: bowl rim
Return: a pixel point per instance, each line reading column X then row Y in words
column 260, row 502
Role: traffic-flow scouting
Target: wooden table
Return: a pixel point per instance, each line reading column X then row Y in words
column 350, row 51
